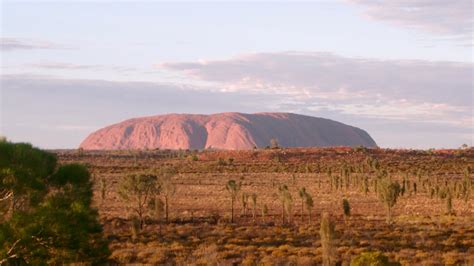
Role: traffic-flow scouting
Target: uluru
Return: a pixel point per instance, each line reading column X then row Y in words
column 226, row 131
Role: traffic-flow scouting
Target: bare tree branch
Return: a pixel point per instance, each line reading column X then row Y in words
column 7, row 196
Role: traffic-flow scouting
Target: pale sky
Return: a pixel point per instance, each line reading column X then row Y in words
column 401, row 69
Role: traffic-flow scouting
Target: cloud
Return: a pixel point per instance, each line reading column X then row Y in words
column 59, row 65
column 58, row 112
column 451, row 19
column 412, row 90
column 59, row 127
column 55, row 113
column 72, row 66
column 12, row 44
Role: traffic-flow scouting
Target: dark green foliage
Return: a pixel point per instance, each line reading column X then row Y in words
column 372, row 259
column 23, row 174
column 49, row 219
column 346, row 207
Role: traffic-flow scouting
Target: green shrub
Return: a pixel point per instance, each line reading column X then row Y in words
column 346, row 208
column 49, row 219
column 375, row 258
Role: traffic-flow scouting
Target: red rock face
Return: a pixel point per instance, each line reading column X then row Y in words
column 229, row 131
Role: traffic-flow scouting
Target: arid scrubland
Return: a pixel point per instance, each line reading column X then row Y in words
column 266, row 207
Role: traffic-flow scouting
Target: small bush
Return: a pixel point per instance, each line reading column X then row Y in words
column 375, row 258
column 346, row 208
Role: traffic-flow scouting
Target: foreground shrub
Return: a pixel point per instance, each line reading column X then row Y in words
column 49, row 219
column 375, row 258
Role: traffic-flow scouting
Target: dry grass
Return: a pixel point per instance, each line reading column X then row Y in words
column 199, row 232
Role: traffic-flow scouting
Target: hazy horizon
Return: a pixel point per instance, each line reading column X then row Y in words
column 393, row 69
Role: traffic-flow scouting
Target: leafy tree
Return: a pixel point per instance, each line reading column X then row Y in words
column 233, row 189
column 388, row 191
column 137, row 191
column 23, row 174
column 48, row 217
